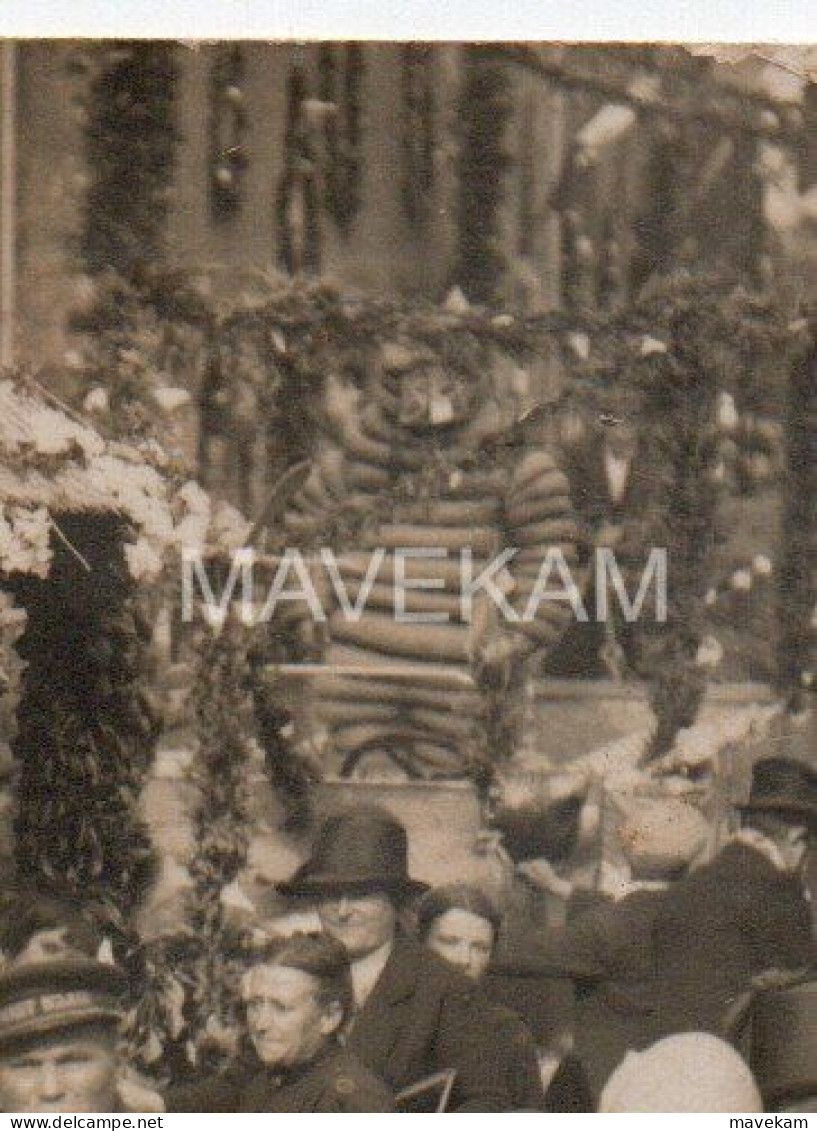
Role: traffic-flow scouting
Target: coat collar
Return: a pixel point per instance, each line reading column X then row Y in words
column 757, row 842
column 398, row 981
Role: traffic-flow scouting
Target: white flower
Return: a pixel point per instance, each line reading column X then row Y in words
column 229, row 528
column 90, row 442
column 807, row 679
column 144, row 563
column 726, row 412
column 73, row 359
column 169, row 399
column 710, row 652
column 580, row 344
column 139, row 491
column 741, row 580
column 195, row 498
column 502, row 320
column 711, row 597
column 650, row 346
column 761, row 565
column 96, row 400
column 51, row 432
column 192, row 531
column 456, row 302
column 25, row 541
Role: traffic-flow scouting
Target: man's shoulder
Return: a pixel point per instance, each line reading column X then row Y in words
column 431, row 973
column 739, row 863
column 738, row 876
column 218, row 1093
column 352, row 1085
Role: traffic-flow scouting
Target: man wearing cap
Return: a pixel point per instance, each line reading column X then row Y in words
column 746, row 912
column 58, row 1036
column 414, row 1016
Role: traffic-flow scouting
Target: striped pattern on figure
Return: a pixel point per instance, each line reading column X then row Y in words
column 487, row 497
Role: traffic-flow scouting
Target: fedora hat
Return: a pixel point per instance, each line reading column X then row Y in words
column 356, row 851
column 38, row 998
column 786, row 787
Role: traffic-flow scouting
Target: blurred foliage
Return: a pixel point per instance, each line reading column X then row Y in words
column 187, row 1018
column 87, row 723
column 131, row 144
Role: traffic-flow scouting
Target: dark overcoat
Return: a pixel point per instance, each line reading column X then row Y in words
column 335, row 1081
column 718, row 928
column 423, row 1017
column 607, row 950
column 515, row 1054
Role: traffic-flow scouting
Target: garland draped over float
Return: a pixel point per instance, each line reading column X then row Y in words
column 484, row 112
column 82, row 520
column 228, row 128
column 187, row 1019
column 341, row 72
column 418, row 127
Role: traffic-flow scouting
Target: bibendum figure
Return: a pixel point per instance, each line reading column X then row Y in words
column 426, row 466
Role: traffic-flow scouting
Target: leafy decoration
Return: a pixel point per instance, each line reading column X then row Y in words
column 131, row 141
column 484, row 111
column 87, row 723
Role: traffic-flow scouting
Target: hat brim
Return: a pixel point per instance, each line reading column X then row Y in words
column 50, row 1025
column 327, row 886
column 800, row 814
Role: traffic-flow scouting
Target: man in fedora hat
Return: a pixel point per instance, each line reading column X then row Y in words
column 744, row 913
column 414, row 1016
column 59, row 1036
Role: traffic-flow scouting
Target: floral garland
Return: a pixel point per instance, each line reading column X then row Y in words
column 418, row 129
column 87, row 721
column 297, row 206
column 189, row 1015
column 341, row 74
column 228, row 127
column 484, row 111
column 131, row 142
column 797, row 579
column 145, row 344
column 82, row 524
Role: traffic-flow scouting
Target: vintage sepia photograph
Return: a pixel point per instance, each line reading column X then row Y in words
column 407, row 576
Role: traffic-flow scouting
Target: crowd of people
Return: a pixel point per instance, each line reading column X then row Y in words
column 694, row 990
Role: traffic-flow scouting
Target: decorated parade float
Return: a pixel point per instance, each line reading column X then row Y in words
column 172, row 768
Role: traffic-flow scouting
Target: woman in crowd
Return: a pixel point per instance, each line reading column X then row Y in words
column 461, row 925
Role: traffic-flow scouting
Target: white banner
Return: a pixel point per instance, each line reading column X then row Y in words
column 211, row 1122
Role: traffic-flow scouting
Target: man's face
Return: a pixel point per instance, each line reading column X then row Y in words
column 363, row 923
column 431, row 397
column 464, row 940
column 287, row 1022
column 61, row 1074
